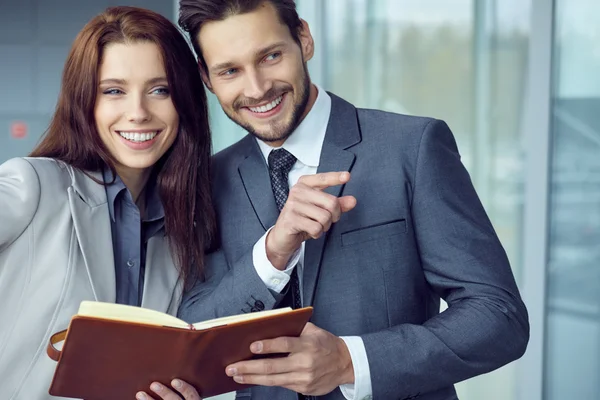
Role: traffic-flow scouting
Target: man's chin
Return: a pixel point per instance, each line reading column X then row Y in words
column 269, row 137
column 267, row 132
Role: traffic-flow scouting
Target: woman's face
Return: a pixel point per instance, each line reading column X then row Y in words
column 134, row 112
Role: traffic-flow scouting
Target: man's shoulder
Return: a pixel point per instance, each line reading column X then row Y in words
column 234, row 152
column 392, row 119
column 379, row 122
column 225, row 162
column 379, row 128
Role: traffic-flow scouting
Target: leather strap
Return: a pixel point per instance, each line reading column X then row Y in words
column 52, row 351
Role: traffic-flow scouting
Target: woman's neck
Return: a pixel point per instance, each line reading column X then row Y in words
column 135, row 181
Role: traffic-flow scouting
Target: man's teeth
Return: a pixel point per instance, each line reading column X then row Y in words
column 138, row 137
column 267, row 107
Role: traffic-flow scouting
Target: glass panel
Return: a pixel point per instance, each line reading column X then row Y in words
column 462, row 61
column 573, row 305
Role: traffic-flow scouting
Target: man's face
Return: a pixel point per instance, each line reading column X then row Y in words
column 258, row 72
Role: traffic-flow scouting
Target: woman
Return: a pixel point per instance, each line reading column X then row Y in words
column 114, row 203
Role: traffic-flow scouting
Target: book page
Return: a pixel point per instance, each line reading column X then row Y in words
column 239, row 318
column 121, row 312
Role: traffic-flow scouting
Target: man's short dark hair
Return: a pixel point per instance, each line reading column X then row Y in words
column 194, row 13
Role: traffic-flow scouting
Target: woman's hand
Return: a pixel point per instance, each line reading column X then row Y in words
column 166, row 393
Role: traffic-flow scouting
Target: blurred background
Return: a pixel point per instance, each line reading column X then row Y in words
column 518, row 81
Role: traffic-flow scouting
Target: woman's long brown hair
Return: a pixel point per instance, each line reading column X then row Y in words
column 182, row 174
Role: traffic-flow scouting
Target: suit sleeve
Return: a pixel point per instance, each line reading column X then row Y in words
column 227, row 290
column 19, row 199
column 486, row 323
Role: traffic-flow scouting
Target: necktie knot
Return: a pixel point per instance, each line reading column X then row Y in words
column 281, row 161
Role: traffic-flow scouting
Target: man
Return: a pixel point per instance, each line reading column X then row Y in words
column 380, row 222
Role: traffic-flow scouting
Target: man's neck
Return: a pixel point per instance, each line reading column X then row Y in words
column 312, row 98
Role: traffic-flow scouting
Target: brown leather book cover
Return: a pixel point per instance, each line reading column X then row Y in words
column 107, row 359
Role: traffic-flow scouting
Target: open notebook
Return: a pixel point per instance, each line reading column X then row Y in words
column 112, row 351
column 120, row 312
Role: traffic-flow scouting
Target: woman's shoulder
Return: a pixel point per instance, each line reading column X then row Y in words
column 35, row 164
column 20, row 171
column 52, row 178
column 37, row 171
column 51, row 170
column 45, row 165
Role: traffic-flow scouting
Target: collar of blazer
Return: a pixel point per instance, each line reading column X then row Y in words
column 91, row 192
column 89, row 209
column 343, row 132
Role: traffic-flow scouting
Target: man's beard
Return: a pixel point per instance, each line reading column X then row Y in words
column 278, row 131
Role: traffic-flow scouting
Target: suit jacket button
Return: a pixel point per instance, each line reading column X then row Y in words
column 254, row 309
column 259, row 305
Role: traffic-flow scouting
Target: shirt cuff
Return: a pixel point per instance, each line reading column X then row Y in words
column 273, row 278
column 361, row 388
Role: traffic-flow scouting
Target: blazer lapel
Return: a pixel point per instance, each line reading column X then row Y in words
column 161, row 280
column 342, row 133
column 91, row 219
column 257, row 183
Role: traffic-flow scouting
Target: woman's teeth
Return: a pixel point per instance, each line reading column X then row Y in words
column 267, row 107
column 138, row 137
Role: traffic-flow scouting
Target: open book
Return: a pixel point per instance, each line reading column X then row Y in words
column 121, row 312
column 112, row 351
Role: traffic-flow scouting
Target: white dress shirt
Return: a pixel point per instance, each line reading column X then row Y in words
column 305, row 144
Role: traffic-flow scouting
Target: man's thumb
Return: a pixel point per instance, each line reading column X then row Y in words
column 347, row 203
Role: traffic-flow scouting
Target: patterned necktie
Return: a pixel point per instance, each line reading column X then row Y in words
column 280, row 164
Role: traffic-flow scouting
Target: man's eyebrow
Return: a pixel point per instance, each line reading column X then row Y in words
column 259, row 53
column 269, row 49
column 225, row 65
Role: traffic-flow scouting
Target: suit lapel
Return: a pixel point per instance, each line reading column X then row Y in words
column 257, row 183
column 161, row 278
column 91, row 219
column 342, row 133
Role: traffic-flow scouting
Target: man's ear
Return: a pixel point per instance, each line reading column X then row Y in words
column 204, row 75
column 307, row 42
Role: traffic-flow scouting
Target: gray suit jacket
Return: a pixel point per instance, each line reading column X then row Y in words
column 418, row 233
column 55, row 251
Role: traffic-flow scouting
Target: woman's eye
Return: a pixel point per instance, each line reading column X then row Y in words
column 113, row 91
column 163, row 91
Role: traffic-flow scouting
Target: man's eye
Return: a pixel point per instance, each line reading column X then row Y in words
column 230, row 71
column 273, row 56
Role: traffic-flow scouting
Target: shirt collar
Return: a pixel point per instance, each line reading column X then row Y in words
column 113, row 189
column 307, row 140
column 154, row 207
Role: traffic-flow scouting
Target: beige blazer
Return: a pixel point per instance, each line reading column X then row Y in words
column 55, row 251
